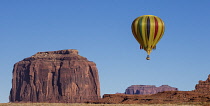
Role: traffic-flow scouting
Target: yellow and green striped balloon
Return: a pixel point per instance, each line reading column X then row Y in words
column 148, row 30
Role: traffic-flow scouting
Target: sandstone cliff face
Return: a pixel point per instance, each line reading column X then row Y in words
column 203, row 86
column 55, row 76
column 148, row 89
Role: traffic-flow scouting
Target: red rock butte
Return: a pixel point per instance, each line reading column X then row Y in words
column 55, row 76
column 148, row 89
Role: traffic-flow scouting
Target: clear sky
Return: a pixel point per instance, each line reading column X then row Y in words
column 101, row 31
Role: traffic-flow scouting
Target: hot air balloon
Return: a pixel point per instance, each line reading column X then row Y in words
column 148, row 30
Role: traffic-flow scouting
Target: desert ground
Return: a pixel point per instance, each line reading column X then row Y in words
column 80, row 104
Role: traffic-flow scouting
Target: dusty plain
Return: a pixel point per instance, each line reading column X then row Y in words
column 83, row 104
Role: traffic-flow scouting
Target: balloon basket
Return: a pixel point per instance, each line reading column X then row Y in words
column 148, row 58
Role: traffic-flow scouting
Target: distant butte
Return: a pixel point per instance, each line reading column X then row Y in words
column 201, row 94
column 148, row 89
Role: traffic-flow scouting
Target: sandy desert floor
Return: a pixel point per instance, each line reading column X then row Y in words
column 78, row 104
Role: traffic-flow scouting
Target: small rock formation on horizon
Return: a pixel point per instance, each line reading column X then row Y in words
column 201, row 94
column 148, row 89
column 55, row 76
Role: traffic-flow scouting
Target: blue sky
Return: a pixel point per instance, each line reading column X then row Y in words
column 101, row 31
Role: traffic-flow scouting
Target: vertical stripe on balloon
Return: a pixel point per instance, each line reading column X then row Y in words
column 140, row 29
column 162, row 31
column 148, row 28
column 156, row 27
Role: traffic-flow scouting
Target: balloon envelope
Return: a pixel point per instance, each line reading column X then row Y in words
column 148, row 30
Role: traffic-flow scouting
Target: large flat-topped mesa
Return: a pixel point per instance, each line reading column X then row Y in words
column 55, row 76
